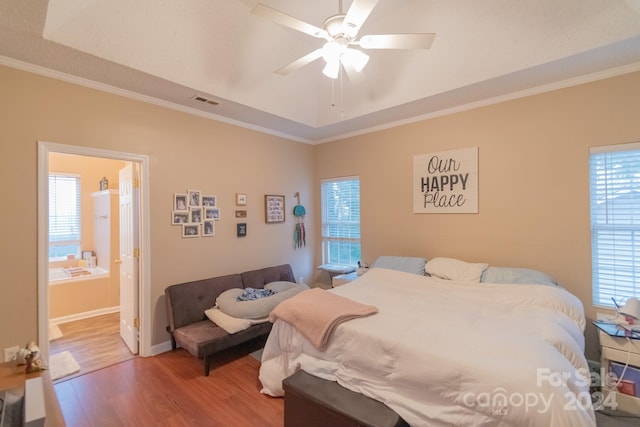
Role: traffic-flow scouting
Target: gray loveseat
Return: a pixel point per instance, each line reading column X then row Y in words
column 193, row 331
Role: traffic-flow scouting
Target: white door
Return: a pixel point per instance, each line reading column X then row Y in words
column 129, row 256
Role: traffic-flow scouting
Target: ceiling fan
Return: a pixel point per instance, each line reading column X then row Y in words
column 340, row 33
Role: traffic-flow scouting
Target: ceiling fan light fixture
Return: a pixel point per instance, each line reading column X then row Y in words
column 355, row 58
column 332, row 69
column 331, row 51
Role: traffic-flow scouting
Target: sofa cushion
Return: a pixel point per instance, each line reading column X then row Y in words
column 186, row 302
column 196, row 336
column 205, row 337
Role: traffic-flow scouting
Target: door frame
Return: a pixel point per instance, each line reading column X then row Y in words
column 144, row 309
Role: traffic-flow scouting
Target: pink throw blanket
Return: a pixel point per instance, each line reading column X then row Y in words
column 316, row 313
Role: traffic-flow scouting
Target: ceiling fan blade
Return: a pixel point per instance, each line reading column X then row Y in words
column 359, row 12
column 301, row 62
column 397, row 41
column 289, row 21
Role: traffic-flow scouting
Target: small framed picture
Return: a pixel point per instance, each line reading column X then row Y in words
column 179, row 202
column 208, row 201
column 212, row 214
column 273, row 208
column 193, row 199
column 241, row 229
column 195, row 215
column 190, row 230
column 208, row 228
column 179, row 217
column 241, row 199
column 241, row 214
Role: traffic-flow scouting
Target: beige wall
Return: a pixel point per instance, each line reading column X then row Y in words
column 185, row 152
column 533, row 174
column 533, row 177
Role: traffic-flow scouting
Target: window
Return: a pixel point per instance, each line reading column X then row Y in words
column 64, row 216
column 615, row 223
column 341, row 221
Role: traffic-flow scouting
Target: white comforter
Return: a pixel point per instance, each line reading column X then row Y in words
column 443, row 353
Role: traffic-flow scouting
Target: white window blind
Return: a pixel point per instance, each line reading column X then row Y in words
column 341, row 221
column 64, row 215
column 615, row 223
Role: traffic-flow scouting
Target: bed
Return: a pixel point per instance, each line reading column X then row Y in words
column 443, row 352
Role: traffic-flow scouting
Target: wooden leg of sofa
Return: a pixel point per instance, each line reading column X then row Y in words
column 207, row 365
column 173, row 340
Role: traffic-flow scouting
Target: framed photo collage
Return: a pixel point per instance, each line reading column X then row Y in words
column 196, row 213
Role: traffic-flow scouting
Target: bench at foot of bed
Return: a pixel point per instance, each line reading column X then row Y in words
column 314, row 402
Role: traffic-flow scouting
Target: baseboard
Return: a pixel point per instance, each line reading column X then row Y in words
column 85, row 315
column 163, row 347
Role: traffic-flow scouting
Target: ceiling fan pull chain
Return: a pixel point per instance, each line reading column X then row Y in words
column 341, row 94
column 333, row 93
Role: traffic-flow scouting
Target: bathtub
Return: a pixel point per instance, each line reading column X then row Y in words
column 59, row 276
column 73, row 298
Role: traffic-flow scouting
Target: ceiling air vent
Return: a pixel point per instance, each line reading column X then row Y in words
column 205, row 100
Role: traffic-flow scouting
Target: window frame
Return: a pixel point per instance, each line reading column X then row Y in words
column 78, row 221
column 615, row 257
column 326, row 238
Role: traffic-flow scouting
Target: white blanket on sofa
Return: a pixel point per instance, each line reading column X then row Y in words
column 450, row 353
column 231, row 324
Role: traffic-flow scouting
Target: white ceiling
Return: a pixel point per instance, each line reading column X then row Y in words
column 167, row 51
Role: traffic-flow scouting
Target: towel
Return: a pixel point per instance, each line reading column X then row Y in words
column 316, row 313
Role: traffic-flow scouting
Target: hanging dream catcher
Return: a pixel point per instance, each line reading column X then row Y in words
column 299, row 235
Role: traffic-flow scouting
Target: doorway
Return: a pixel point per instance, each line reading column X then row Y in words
column 142, row 294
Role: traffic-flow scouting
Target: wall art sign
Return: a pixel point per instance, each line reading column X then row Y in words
column 446, row 181
column 273, row 208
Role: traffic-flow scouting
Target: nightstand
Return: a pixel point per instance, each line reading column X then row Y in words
column 619, row 350
column 335, row 270
column 343, row 278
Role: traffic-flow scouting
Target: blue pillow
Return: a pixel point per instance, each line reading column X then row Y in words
column 401, row 263
column 516, row 275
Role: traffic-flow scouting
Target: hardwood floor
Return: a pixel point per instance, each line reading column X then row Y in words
column 170, row 390
column 94, row 342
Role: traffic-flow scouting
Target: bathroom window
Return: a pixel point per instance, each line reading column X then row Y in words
column 64, row 216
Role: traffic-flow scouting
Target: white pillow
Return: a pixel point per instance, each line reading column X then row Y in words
column 454, row 269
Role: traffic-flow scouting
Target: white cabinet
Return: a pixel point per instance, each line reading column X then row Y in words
column 106, row 227
column 622, row 351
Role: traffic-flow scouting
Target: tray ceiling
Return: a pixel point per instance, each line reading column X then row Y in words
column 168, row 52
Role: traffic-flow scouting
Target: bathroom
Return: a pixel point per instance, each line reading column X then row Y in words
column 82, row 288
